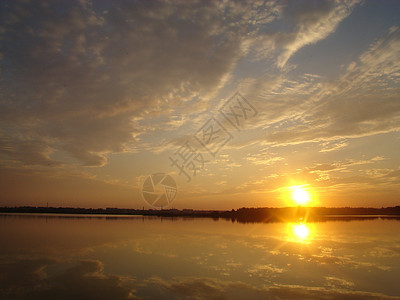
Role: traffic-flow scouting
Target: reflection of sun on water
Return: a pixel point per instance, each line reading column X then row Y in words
column 301, row 231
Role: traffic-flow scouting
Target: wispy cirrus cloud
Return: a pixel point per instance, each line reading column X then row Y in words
column 314, row 23
column 363, row 102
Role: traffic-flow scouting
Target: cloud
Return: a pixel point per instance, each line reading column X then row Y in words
column 333, row 145
column 22, row 272
column 343, row 165
column 305, row 24
column 89, row 79
column 315, row 21
column 28, row 279
column 81, row 77
column 200, row 288
column 363, row 102
column 31, row 152
column 263, row 158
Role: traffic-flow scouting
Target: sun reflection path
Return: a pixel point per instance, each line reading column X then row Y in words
column 300, row 232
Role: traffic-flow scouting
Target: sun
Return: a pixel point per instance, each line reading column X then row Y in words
column 300, row 195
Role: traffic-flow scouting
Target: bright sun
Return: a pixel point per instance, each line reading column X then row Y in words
column 300, row 195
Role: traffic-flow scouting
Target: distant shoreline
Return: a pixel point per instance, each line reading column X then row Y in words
column 242, row 215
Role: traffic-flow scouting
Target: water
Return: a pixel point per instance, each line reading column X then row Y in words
column 106, row 257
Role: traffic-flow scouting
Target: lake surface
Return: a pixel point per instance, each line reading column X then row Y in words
column 109, row 257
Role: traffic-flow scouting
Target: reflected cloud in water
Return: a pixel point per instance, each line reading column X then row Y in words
column 128, row 258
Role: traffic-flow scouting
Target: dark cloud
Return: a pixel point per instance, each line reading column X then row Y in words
column 79, row 77
column 206, row 288
column 22, row 272
column 23, row 278
column 34, row 152
column 28, row 279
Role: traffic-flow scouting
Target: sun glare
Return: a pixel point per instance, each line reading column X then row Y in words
column 300, row 195
column 301, row 231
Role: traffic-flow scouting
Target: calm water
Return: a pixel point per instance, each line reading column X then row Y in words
column 53, row 257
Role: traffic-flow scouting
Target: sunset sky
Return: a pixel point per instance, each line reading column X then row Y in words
column 97, row 95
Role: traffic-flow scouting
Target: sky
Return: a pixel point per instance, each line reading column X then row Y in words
column 237, row 101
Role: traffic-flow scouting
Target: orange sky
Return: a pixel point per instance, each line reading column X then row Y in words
column 97, row 96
